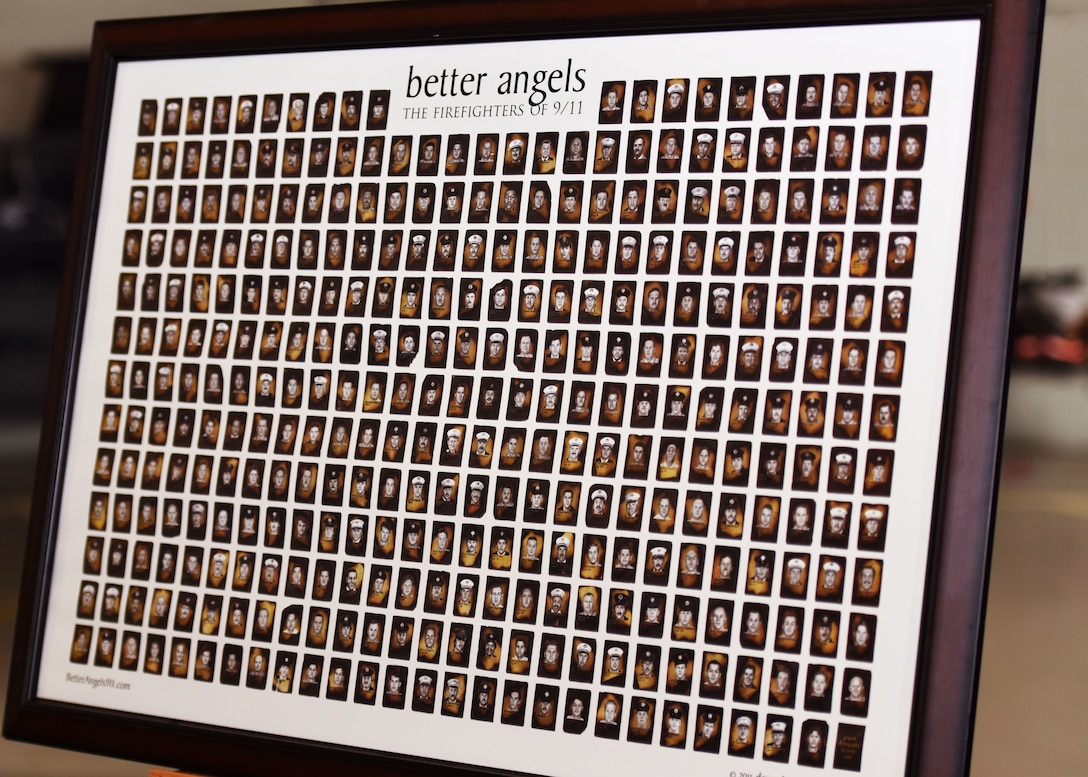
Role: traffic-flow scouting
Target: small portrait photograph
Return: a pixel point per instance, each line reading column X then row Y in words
column 149, row 112
column 171, row 120
column 345, row 158
column 741, row 98
column 239, row 160
column 906, row 201
column 804, row 148
column 602, row 195
column 141, row 166
column 777, row 739
column 834, row 201
column 790, row 629
column 708, row 415
column 825, row 642
column 753, row 626
column 220, row 115
column 760, row 572
column 539, row 211
column 428, row 156
column 748, row 680
column 513, row 162
column 377, row 110
column 855, row 694
column 643, row 102
column 866, row 246
column 831, row 572
column 900, row 257
column 810, row 96
column 366, row 688
column 350, row 110
column 878, row 472
column 670, row 151
column 896, row 310
column 844, row 96
column 840, row 149
column 703, row 152
column 766, row 520
column 697, row 202
column 400, row 158
column 569, row 212
column 292, row 158
column 162, row 209
column 545, row 153
column 731, row 202
column 401, row 638
column 750, row 349
column 243, row 122
column 787, row 315
column 271, row 112
column 765, row 202
column 875, row 146
column 675, row 103
column 637, row 145
column 870, row 529
column 782, row 684
column 853, row 362
column 575, row 145
column 753, row 311
column 861, row 637
column 867, row 579
column 770, row 149
column 916, row 93
column 880, row 95
column 507, row 211
column 735, row 149
column 859, row 308
column 889, row 364
column 776, row 95
column 912, row 147
column 396, row 678
column 611, row 102
column 813, row 749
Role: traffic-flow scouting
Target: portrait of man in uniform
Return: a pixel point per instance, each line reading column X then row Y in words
column 741, row 98
column 776, row 95
column 844, row 97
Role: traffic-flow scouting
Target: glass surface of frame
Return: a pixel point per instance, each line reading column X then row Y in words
column 466, row 400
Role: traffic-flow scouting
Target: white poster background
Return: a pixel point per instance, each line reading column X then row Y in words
column 948, row 49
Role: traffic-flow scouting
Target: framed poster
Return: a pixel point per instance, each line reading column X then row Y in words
column 623, row 390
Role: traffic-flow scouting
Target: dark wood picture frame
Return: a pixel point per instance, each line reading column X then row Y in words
column 964, row 487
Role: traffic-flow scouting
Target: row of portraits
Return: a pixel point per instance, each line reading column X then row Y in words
column 294, row 112
column 601, row 154
column 680, row 670
column 702, row 99
column 270, row 114
column 700, row 461
column 830, row 579
column 450, row 695
column 597, row 251
column 649, row 406
column 794, row 201
column 627, row 303
column 696, row 511
column 645, row 354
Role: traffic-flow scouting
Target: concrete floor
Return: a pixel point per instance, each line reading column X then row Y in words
column 1030, row 709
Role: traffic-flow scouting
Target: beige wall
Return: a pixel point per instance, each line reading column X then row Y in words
column 33, row 29
column 1054, row 236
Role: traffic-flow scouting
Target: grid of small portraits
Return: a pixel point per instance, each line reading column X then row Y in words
column 590, row 431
